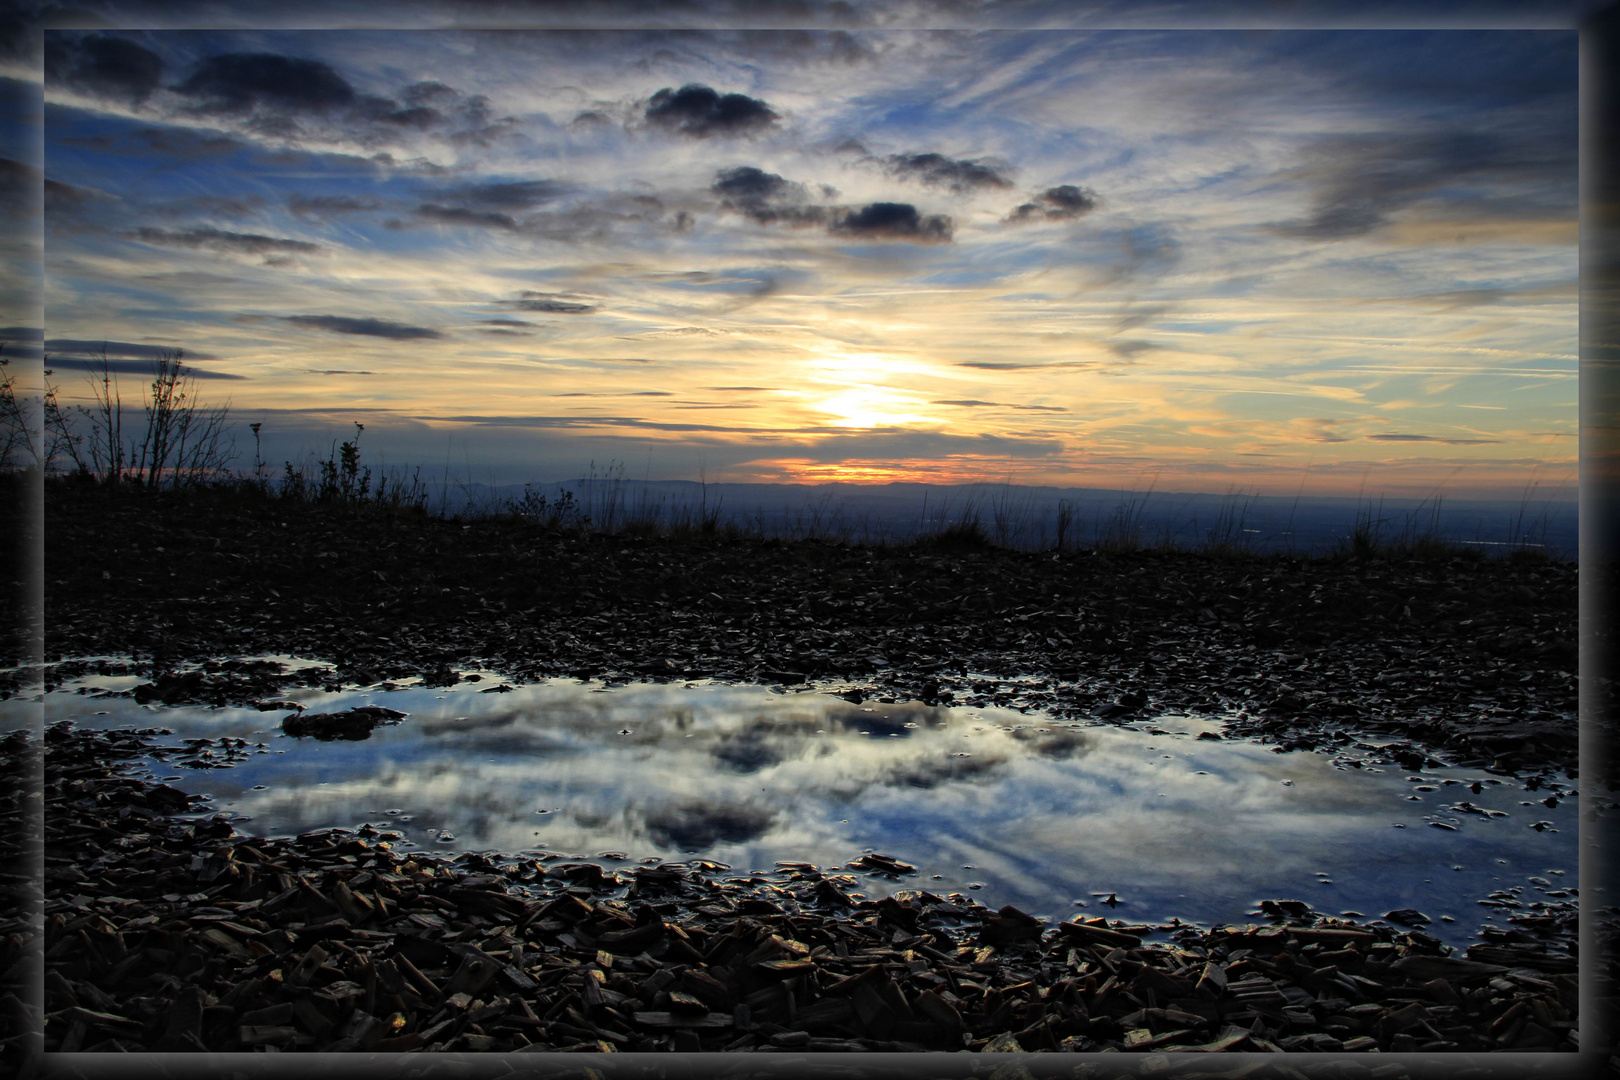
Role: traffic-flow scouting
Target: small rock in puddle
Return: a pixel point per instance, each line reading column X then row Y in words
column 354, row 725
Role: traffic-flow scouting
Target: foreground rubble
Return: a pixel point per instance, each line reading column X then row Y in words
column 166, row 930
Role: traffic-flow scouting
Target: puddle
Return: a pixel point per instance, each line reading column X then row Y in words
column 1002, row 806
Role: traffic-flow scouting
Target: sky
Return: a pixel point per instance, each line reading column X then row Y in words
column 1261, row 260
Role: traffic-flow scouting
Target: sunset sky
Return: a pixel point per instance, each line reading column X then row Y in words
column 1249, row 259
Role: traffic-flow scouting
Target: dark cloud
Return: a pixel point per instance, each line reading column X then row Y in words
column 970, row 403
column 766, row 197
column 221, row 240
column 808, row 46
column 428, row 94
column 130, row 350
column 937, row 170
column 460, row 215
column 503, row 322
column 60, row 196
column 518, row 195
column 238, row 82
column 1127, row 348
column 1148, row 249
column 581, row 422
column 18, row 177
column 549, row 303
column 748, row 752
column 748, row 184
column 899, row 445
column 1360, row 180
column 699, row 826
column 342, row 324
column 226, row 206
column 140, row 368
column 702, row 112
column 336, row 371
column 1062, row 203
column 106, row 66
column 893, row 221
column 590, row 118
column 420, row 117
column 332, row 205
column 180, row 142
column 1393, row 437
column 1009, row 365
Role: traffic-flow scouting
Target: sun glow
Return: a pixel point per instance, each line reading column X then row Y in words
column 867, row 398
column 873, row 406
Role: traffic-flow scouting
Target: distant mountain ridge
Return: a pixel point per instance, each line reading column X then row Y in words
column 1030, row 517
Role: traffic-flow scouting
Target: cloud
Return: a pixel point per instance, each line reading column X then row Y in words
column 419, row 117
column 503, row 322
column 428, row 93
column 342, row 324
column 766, row 198
column 332, row 205
column 1011, row 365
column 88, row 347
column 702, row 112
column 893, row 221
column 221, row 240
column 937, row 170
column 184, row 143
column 808, row 46
column 228, row 206
column 1393, row 437
column 60, row 197
column 750, row 185
column 486, row 205
column 110, row 67
column 904, row 444
column 129, row 367
column 1062, row 203
column 239, row 82
column 514, row 195
column 549, row 303
column 698, row 826
column 973, row 403
column 1361, row 180
column 460, row 215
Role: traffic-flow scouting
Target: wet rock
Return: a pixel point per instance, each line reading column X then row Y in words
column 353, row 725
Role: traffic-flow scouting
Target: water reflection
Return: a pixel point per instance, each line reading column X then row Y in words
column 1044, row 813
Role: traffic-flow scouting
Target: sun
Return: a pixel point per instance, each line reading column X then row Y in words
column 873, row 406
column 862, row 400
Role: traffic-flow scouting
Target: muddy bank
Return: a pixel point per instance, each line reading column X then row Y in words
column 166, row 930
column 1470, row 659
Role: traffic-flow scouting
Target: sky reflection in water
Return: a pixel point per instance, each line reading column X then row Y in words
column 1032, row 812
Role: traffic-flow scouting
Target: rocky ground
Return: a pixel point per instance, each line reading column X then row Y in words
column 166, row 932
column 1467, row 659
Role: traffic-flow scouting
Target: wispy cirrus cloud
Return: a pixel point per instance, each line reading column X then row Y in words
column 212, row 239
